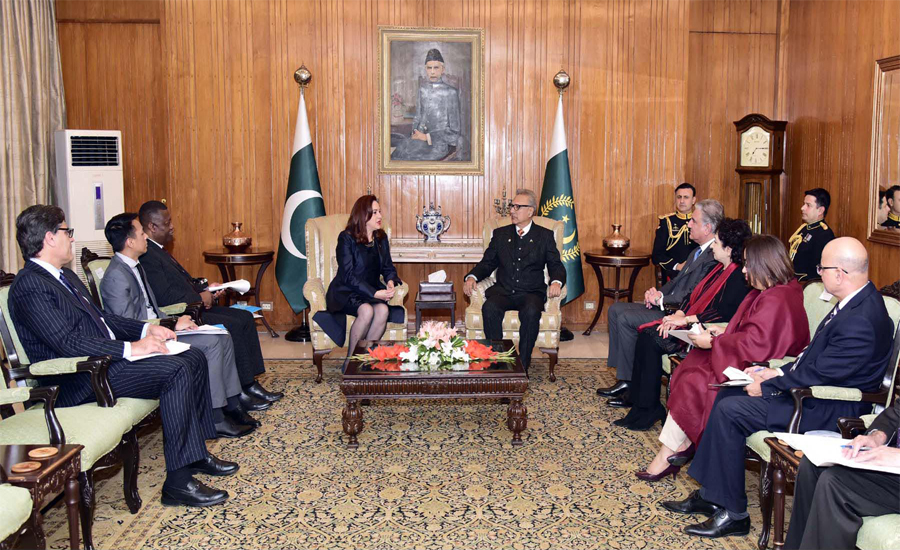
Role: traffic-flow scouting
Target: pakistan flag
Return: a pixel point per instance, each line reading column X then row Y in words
column 558, row 203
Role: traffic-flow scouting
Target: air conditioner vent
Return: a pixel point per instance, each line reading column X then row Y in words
column 95, row 151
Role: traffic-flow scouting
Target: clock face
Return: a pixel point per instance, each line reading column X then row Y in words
column 755, row 147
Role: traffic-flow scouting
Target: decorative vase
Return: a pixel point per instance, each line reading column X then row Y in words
column 616, row 243
column 237, row 240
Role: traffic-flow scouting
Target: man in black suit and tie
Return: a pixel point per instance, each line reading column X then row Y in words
column 830, row 503
column 851, row 349
column 54, row 318
column 172, row 284
column 626, row 317
column 519, row 253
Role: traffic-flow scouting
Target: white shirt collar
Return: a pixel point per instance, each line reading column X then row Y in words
column 849, row 297
column 53, row 270
column 706, row 245
column 128, row 261
column 526, row 229
column 154, row 242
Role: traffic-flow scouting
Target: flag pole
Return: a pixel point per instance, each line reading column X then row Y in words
column 562, row 80
column 301, row 333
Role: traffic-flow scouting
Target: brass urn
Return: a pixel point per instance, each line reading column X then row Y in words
column 237, row 240
column 616, row 243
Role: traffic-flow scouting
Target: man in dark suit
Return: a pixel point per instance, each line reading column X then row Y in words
column 54, row 318
column 172, row 284
column 519, row 253
column 829, row 503
column 125, row 292
column 806, row 244
column 626, row 317
column 851, row 349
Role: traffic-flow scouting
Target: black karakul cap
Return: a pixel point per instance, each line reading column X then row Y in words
column 434, row 54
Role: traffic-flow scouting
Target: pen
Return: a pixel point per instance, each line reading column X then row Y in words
column 861, row 448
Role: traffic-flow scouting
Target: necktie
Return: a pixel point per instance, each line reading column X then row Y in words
column 521, row 232
column 697, row 254
column 149, row 296
column 88, row 305
column 822, row 325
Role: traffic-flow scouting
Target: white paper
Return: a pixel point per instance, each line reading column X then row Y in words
column 682, row 334
column 241, row 286
column 826, row 451
column 174, row 347
column 826, row 296
column 437, row 277
column 202, row 329
column 734, row 374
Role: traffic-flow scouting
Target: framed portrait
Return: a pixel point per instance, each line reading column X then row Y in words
column 431, row 101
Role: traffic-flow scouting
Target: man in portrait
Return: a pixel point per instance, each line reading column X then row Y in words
column 892, row 196
column 436, row 127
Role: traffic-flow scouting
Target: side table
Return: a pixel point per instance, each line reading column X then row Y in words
column 785, row 461
column 632, row 259
column 227, row 261
column 435, row 301
column 58, row 473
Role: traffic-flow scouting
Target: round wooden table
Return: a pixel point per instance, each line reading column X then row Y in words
column 632, row 258
column 227, row 261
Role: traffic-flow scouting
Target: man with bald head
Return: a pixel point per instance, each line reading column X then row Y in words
column 850, row 349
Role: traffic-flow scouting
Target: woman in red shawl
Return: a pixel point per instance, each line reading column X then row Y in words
column 769, row 323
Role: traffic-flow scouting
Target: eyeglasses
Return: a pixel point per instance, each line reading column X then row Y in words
column 820, row 268
column 70, row 231
column 515, row 207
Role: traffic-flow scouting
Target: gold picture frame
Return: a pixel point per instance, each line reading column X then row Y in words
column 884, row 171
column 431, row 122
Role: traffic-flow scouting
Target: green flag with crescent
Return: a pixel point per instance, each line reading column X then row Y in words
column 557, row 202
column 304, row 201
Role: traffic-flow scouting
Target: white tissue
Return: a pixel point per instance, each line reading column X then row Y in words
column 826, row 296
column 437, row 277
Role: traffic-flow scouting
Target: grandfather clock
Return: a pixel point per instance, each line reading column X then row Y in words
column 760, row 163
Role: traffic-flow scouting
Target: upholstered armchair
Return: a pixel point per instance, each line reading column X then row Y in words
column 551, row 318
column 321, row 267
column 757, row 449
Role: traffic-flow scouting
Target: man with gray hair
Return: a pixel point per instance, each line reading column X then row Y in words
column 518, row 252
column 625, row 318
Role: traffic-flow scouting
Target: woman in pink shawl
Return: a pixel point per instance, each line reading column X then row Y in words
column 769, row 323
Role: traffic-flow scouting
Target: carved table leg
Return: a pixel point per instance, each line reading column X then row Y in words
column 766, row 470
column 72, row 498
column 778, row 484
column 352, row 421
column 600, row 300
column 259, row 277
column 37, row 522
column 517, row 419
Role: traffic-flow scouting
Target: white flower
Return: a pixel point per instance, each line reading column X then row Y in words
column 430, row 343
column 434, row 359
column 411, row 366
column 447, row 348
column 412, row 355
column 460, row 354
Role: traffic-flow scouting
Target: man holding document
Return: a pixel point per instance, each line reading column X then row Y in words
column 829, row 503
column 54, row 319
column 851, row 349
column 125, row 292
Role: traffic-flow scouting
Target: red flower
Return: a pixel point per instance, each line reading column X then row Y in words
column 387, row 353
column 479, row 351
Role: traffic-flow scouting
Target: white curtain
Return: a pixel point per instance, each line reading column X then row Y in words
column 33, row 108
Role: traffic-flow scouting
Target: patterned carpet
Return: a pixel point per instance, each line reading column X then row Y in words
column 427, row 475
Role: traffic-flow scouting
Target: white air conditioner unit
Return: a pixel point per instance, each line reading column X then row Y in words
column 89, row 186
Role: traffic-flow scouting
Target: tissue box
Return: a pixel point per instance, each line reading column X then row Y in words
column 436, row 288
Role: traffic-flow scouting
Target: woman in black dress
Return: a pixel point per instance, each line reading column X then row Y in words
column 364, row 259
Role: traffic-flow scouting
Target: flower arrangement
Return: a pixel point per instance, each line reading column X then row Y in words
column 435, row 346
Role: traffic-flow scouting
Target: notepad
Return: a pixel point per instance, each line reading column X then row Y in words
column 174, row 347
column 826, row 451
column 682, row 334
column 736, row 379
column 203, row 329
column 247, row 307
column 241, row 286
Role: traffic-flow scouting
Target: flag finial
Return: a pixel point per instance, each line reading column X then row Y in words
column 561, row 80
column 302, row 76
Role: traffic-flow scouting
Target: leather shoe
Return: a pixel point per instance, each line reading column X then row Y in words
column 615, row 390
column 251, row 403
column 240, row 416
column 622, row 402
column 682, row 457
column 259, row 392
column 194, row 493
column 213, row 466
column 693, row 504
column 229, row 428
column 720, row 524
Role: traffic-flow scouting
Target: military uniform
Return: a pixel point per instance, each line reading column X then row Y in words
column 672, row 243
column 892, row 221
column 806, row 245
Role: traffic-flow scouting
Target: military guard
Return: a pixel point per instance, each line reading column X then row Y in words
column 806, row 244
column 673, row 243
column 893, row 201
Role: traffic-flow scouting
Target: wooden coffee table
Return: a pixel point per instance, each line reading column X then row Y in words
column 500, row 380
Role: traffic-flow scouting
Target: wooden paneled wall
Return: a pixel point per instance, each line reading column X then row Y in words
column 832, row 48
column 204, row 95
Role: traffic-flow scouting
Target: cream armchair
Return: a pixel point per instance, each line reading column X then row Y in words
column 551, row 318
column 321, row 242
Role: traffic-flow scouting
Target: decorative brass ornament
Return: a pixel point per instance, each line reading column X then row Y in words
column 616, row 243
column 237, row 240
column 302, row 76
column 561, row 80
column 501, row 206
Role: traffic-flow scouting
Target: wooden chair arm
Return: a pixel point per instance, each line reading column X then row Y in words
column 799, row 394
column 851, row 427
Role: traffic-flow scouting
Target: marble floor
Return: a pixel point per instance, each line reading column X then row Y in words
column 595, row 346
